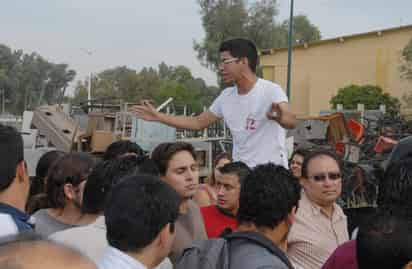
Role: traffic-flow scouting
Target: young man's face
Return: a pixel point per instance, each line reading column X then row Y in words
column 228, row 192
column 324, row 183
column 183, row 174
column 229, row 67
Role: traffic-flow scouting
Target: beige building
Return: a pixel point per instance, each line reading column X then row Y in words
column 320, row 68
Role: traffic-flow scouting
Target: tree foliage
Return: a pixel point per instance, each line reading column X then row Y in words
column 406, row 67
column 29, row 80
column 369, row 95
column 224, row 19
column 166, row 81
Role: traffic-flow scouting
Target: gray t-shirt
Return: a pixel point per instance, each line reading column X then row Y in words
column 47, row 225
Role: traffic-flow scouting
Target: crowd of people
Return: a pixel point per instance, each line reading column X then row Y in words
column 137, row 210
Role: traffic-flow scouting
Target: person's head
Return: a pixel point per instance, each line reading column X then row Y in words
column 67, row 178
column 269, row 198
column 228, row 185
column 120, row 148
column 321, row 177
column 42, row 168
column 13, row 169
column 28, row 251
column 296, row 161
column 140, row 214
column 384, row 242
column 395, row 188
column 178, row 167
column 237, row 56
column 100, row 181
column 220, row 160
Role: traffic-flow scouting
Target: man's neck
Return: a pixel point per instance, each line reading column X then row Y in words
column 277, row 235
column 246, row 83
column 9, row 197
column 327, row 210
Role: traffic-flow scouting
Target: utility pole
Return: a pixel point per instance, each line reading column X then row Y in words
column 89, row 88
column 290, row 39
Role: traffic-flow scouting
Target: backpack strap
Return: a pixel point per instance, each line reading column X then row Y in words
column 262, row 241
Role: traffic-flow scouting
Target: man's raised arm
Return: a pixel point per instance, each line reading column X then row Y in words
column 147, row 111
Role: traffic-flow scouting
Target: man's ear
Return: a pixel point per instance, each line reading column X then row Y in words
column 291, row 216
column 21, row 171
column 69, row 191
column 164, row 235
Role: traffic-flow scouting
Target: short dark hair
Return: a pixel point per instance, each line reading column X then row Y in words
column 301, row 152
column 316, row 153
column 11, row 153
column 240, row 169
column 385, row 242
column 395, row 188
column 164, row 152
column 119, row 148
column 137, row 209
column 72, row 168
column 242, row 48
column 268, row 195
column 100, row 181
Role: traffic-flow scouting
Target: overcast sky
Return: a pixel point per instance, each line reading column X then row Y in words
column 139, row 33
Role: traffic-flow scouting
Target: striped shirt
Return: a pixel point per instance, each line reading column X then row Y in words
column 314, row 236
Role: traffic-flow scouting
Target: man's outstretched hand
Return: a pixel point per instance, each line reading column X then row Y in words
column 145, row 111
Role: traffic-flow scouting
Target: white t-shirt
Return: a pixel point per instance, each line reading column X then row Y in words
column 256, row 139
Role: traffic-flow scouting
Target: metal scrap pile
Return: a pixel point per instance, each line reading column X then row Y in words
column 364, row 145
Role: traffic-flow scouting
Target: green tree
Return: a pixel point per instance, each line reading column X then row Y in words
column 303, row 30
column 224, row 19
column 150, row 83
column 369, row 95
column 29, row 80
column 406, row 67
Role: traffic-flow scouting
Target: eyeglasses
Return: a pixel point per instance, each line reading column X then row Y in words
column 228, row 61
column 322, row 177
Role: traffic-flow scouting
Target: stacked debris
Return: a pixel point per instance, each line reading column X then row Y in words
column 364, row 144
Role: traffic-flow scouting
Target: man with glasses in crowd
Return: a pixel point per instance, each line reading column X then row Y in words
column 255, row 110
column 320, row 225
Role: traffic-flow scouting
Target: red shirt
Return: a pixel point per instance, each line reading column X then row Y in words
column 216, row 221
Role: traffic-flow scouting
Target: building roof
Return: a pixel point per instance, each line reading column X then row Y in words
column 338, row 39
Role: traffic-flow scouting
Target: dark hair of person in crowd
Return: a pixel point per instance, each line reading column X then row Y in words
column 137, row 209
column 42, row 168
column 11, row 154
column 316, row 153
column 395, row 188
column 37, row 197
column 106, row 174
column 242, row 48
column 164, row 152
column 384, row 242
column 73, row 168
column 240, row 169
column 120, row 148
column 301, row 152
column 211, row 179
column 268, row 196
